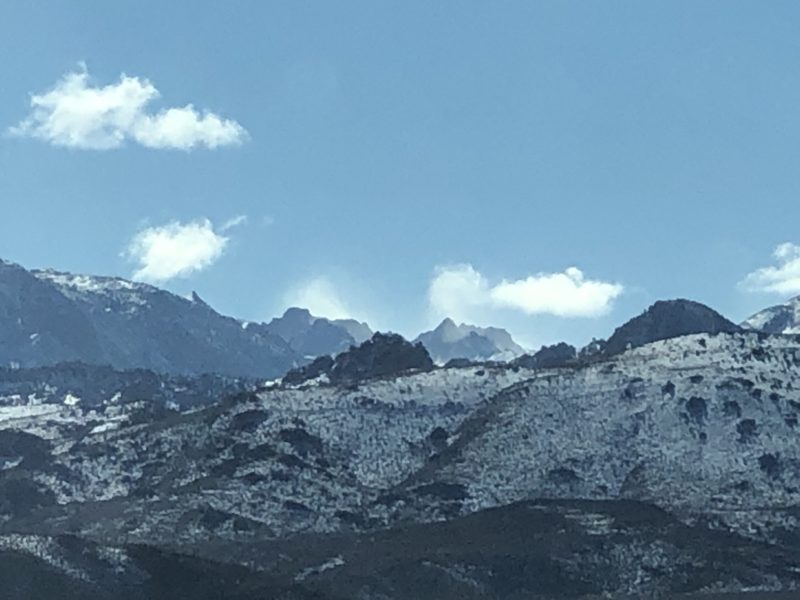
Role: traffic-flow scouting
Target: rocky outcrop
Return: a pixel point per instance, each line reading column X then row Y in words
column 547, row 357
column 381, row 356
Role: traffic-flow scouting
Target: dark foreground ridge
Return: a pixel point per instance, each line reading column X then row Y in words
column 542, row 549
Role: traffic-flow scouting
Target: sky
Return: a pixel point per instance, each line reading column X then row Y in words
column 548, row 167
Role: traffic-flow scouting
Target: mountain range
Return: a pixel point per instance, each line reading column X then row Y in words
column 47, row 317
column 665, row 470
column 663, row 462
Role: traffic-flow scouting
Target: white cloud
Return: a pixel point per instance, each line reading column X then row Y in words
column 77, row 114
column 567, row 294
column 320, row 296
column 175, row 250
column 781, row 279
column 463, row 293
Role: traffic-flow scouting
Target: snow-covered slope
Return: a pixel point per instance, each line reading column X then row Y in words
column 783, row 318
column 698, row 425
column 704, row 426
column 286, row 460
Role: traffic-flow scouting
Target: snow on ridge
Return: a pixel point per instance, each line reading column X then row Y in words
column 94, row 285
column 87, row 283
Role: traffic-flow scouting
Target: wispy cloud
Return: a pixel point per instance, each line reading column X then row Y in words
column 234, row 222
column 320, row 296
column 74, row 113
column 175, row 250
column 461, row 292
column 784, row 278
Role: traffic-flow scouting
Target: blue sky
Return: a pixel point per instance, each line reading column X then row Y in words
column 550, row 167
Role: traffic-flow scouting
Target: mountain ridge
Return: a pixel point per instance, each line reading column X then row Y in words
column 48, row 317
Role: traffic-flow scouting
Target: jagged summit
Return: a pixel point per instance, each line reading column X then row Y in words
column 450, row 341
column 782, row 318
column 667, row 319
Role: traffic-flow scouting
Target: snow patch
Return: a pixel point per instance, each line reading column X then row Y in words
column 70, row 400
column 332, row 563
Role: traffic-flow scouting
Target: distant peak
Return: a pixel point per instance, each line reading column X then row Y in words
column 447, row 323
column 781, row 318
column 295, row 312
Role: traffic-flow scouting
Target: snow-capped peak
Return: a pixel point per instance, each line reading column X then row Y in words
column 782, row 318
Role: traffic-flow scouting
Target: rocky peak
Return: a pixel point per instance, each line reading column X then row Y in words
column 668, row 319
